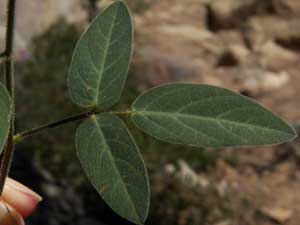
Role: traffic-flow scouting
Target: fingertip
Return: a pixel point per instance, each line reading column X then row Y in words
column 9, row 215
column 20, row 197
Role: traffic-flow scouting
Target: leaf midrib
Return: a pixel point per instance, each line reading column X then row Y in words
column 198, row 117
column 107, row 44
column 114, row 164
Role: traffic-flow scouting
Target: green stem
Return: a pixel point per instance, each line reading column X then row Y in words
column 82, row 116
column 8, row 66
column 21, row 136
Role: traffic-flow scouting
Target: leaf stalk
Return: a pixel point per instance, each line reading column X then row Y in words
column 8, row 66
column 82, row 116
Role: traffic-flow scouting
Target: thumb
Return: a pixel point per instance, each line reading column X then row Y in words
column 20, row 197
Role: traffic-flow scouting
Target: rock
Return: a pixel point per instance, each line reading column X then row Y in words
column 256, row 81
column 280, row 215
column 170, row 169
column 235, row 55
column 186, row 32
column 189, row 177
column 210, row 79
column 159, row 60
column 154, row 67
column 191, row 35
column 228, row 14
column 223, row 14
column 174, row 12
column 230, row 37
column 291, row 6
column 261, row 29
column 274, row 57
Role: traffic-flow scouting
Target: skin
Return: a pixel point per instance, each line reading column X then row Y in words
column 20, row 198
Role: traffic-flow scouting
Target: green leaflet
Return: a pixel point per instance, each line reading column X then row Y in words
column 112, row 162
column 5, row 115
column 101, row 59
column 207, row 116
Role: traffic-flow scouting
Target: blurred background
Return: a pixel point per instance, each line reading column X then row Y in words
column 250, row 46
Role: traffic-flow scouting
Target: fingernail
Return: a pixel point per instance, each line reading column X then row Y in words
column 14, row 185
column 20, row 197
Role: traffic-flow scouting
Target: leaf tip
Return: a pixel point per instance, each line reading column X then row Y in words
column 292, row 132
column 120, row 3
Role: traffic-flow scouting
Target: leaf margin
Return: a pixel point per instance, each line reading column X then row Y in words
column 93, row 118
column 7, row 95
column 134, row 112
column 122, row 3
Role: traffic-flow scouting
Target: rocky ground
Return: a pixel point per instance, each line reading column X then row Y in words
column 35, row 16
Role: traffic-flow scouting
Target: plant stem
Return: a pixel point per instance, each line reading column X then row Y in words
column 8, row 66
column 21, row 136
